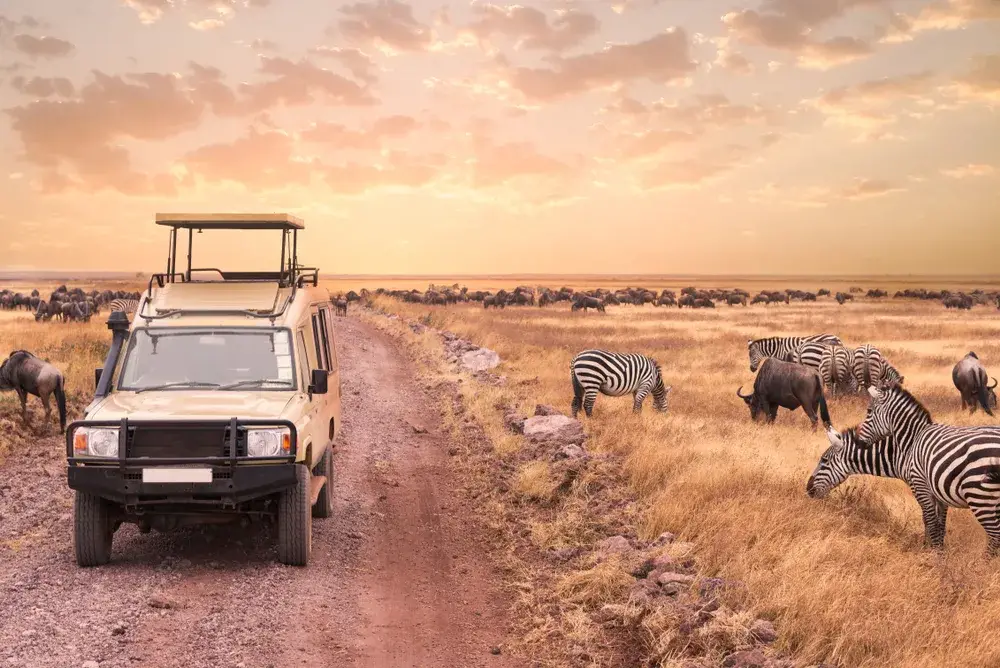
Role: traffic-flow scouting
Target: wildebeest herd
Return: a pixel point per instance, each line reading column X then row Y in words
column 65, row 304
column 600, row 298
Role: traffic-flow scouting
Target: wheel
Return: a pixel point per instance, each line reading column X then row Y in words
column 324, row 504
column 295, row 521
column 92, row 530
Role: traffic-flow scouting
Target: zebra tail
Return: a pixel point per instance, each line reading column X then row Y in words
column 824, row 412
column 984, row 399
column 61, row 403
column 577, row 386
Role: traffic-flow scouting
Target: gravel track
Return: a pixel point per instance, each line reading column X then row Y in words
column 399, row 577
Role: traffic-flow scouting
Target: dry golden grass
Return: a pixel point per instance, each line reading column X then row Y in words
column 845, row 579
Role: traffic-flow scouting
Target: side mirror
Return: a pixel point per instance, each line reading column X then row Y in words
column 318, row 382
column 97, row 376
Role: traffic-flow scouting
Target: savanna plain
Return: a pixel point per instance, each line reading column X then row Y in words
column 845, row 580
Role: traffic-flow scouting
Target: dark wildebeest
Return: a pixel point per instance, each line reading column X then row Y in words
column 972, row 381
column 787, row 385
column 341, row 305
column 26, row 374
column 733, row 300
column 584, row 302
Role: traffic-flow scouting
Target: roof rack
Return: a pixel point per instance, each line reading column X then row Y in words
column 290, row 275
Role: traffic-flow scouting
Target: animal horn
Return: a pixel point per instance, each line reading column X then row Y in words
column 993, row 386
column 740, row 395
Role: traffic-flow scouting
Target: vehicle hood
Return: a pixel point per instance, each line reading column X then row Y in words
column 201, row 405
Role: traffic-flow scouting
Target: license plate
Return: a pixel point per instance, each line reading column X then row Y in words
column 159, row 475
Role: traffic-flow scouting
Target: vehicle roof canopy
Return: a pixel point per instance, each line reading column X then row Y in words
column 230, row 221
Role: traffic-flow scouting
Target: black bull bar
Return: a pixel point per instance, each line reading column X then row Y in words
column 233, row 481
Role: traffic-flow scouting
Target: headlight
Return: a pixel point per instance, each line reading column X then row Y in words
column 95, row 442
column 268, row 442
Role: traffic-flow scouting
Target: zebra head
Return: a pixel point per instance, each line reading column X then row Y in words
column 834, row 466
column 660, row 391
column 891, row 377
column 756, row 354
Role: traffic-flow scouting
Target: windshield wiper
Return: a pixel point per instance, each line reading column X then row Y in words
column 181, row 383
column 254, row 381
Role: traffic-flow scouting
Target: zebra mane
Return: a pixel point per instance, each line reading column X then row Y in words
column 913, row 401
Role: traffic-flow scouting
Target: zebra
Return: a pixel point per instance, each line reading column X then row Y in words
column 127, row 305
column 782, row 346
column 848, row 455
column 945, row 466
column 615, row 375
column 836, row 368
column 872, row 369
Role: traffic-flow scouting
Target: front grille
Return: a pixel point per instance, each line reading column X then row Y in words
column 180, row 441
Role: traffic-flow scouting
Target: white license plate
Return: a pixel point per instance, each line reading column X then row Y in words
column 177, row 475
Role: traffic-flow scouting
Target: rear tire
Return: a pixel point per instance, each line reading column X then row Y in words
column 93, row 530
column 295, row 521
column 324, row 503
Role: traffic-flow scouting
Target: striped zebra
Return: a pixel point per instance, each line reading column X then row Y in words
column 615, row 375
column 127, row 305
column 836, row 368
column 848, row 455
column 945, row 466
column 871, row 369
column 783, row 346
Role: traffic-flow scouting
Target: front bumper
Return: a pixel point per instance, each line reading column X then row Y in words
column 235, row 479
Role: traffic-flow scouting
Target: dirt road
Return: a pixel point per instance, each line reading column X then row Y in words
column 400, row 576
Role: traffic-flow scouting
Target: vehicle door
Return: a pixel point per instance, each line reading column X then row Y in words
column 307, row 362
column 325, row 354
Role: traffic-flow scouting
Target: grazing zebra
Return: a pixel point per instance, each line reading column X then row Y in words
column 615, row 375
column 848, row 455
column 127, row 305
column 873, row 370
column 944, row 466
column 836, row 368
column 782, row 346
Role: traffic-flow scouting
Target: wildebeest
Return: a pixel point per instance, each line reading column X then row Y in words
column 844, row 297
column 972, row 381
column 26, row 374
column 341, row 306
column 786, row 385
column 584, row 302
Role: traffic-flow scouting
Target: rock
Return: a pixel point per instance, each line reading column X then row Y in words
column 571, row 451
column 543, row 409
column 119, row 628
column 555, row 429
column 614, row 545
column 30, row 633
column 184, row 563
column 669, row 577
column 514, row 422
column 753, row 658
column 495, row 651
column 664, row 538
column 418, row 428
column 160, row 602
column 90, row 664
column 763, row 631
column 480, row 360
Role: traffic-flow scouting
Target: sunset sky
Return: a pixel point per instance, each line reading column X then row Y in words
column 638, row 136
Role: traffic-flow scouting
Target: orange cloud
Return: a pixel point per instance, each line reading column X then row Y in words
column 258, row 160
column 42, row 47
column 335, row 135
column 297, row 83
column 499, row 164
column 663, row 58
column 388, row 25
column 869, row 188
column 355, row 61
column 394, row 170
column 43, row 86
column 982, row 81
column 530, row 28
column 966, row 171
column 654, row 142
column 941, row 15
column 151, row 11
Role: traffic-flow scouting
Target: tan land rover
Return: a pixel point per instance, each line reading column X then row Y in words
column 219, row 402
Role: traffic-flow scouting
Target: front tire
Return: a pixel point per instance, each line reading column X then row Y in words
column 295, row 521
column 93, row 530
column 324, row 503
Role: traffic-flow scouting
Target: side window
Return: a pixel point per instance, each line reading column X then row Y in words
column 331, row 344
column 304, row 363
column 324, row 331
column 318, row 341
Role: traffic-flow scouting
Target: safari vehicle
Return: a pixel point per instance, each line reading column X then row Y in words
column 220, row 402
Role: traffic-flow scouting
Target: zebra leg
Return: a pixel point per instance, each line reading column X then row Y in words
column 589, row 397
column 638, row 397
column 990, row 521
column 935, row 515
column 577, row 402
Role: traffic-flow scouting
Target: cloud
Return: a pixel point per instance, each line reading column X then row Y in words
column 42, row 47
column 792, row 26
column 334, row 135
column 530, row 28
column 43, row 86
column 942, row 15
column 207, row 24
column 388, row 25
column 969, row 170
column 652, row 142
column 258, row 160
column 663, row 58
column 263, row 45
column 393, row 170
column 863, row 188
column 356, row 62
column 297, row 83
column 151, row 11
column 696, row 171
column 499, row 164
column 982, row 81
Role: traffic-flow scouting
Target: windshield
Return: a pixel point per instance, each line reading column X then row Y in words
column 212, row 359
